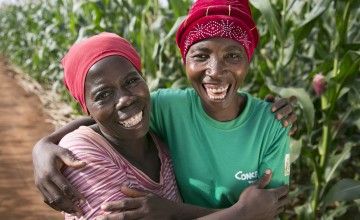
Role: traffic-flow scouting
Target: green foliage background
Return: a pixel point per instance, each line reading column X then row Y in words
column 298, row 39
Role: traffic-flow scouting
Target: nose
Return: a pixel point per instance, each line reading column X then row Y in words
column 125, row 100
column 215, row 68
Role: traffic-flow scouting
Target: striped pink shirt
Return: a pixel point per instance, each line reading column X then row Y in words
column 106, row 171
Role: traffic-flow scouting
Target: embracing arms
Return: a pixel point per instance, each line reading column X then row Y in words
column 146, row 205
column 48, row 158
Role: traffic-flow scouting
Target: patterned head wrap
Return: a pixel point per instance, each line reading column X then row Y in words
column 84, row 54
column 218, row 18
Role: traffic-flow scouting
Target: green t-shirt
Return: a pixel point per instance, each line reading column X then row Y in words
column 215, row 161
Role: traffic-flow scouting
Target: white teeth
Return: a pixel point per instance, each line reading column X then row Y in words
column 132, row 121
column 218, row 90
column 217, row 97
column 217, row 93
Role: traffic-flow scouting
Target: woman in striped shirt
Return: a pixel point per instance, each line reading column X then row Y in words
column 119, row 149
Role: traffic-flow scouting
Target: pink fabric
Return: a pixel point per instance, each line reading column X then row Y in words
column 84, row 54
column 106, row 171
column 218, row 18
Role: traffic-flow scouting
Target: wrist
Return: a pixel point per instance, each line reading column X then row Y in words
column 241, row 210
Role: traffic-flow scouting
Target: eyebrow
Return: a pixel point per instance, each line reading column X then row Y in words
column 227, row 49
column 97, row 89
column 233, row 48
column 200, row 48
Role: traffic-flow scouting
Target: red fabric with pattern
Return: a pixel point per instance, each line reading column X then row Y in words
column 218, row 18
column 84, row 54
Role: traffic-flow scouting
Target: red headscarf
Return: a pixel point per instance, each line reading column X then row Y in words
column 84, row 54
column 218, row 18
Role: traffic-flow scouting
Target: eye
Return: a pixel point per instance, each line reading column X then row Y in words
column 233, row 55
column 102, row 95
column 200, row 57
column 131, row 81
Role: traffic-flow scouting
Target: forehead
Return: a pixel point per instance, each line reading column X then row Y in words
column 110, row 67
column 111, row 63
column 219, row 43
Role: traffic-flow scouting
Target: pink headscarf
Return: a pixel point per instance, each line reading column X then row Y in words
column 86, row 53
column 218, row 18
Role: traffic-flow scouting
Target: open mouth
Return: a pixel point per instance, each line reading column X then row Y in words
column 134, row 120
column 216, row 92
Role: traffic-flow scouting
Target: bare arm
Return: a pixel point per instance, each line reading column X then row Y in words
column 141, row 204
column 255, row 203
column 48, row 158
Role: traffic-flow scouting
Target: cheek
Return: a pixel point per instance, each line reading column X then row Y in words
column 240, row 76
column 192, row 71
column 101, row 113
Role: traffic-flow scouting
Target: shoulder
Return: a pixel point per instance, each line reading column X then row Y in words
column 169, row 94
column 261, row 110
column 79, row 134
column 258, row 103
column 83, row 138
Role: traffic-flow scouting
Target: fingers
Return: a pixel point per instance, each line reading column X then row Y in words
column 281, row 204
column 284, row 112
column 293, row 129
column 133, row 193
column 269, row 98
column 278, row 104
column 290, row 119
column 264, row 180
column 59, row 202
column 58, row 193
column 280, row 192
column 283, row 201
column 69, row 159
column 122, row 205
column 66, row 189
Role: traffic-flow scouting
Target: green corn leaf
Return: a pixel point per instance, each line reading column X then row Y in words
column 344, row 190
column 337, row 160
column 305, row 27
column 295, row 149
column 267, row 11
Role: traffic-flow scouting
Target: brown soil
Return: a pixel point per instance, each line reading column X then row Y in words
column 22, row 123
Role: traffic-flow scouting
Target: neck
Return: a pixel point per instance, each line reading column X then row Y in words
column 132, row 148
column 227, row 113
column 141, row 153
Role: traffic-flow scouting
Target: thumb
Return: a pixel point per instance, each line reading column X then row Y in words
column 133, row 193
column 269, row 98
column 264, row 180
column 70, row 160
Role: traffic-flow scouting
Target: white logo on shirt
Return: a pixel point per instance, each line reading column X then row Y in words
column 287, row 165
column 250, row 176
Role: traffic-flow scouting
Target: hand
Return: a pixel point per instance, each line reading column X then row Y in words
column 56, row 191
column 142, row 204
column 284, row 110
column 260, row 203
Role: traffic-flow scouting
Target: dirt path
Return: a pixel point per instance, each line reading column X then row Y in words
column 22, row 123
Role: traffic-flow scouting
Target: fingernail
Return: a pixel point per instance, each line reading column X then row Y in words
column 267, row 171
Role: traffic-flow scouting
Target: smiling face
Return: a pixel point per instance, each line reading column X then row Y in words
column 216, row 67
column 118, row 98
